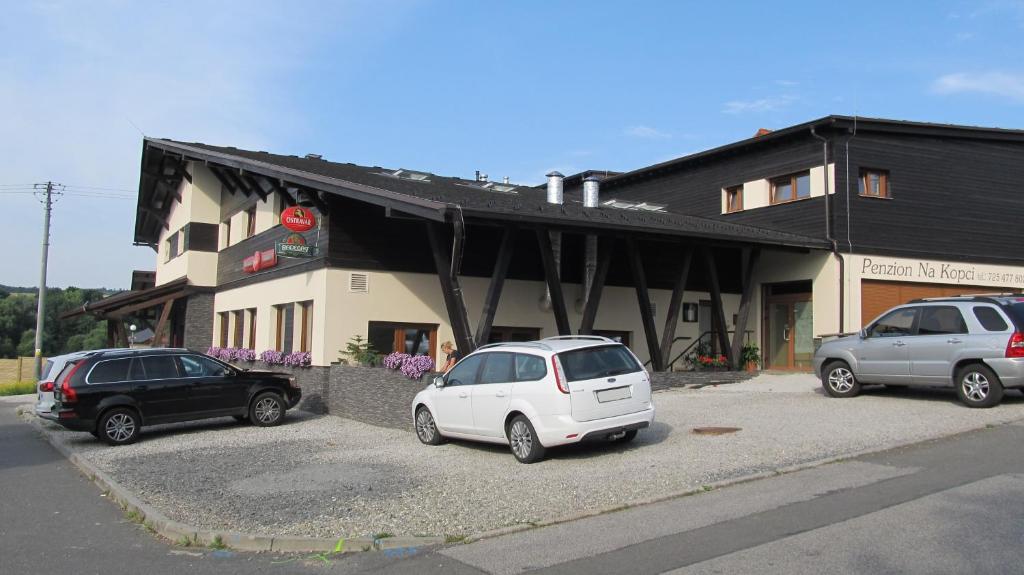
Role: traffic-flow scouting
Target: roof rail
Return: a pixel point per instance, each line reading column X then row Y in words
column 536, row 344
column 988, row 297
column 570, row 337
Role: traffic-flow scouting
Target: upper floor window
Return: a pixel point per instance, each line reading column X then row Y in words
column 791, row 187
column 172, row 247
column 733, row 199
column 874, row 183
column 250, row 222
column 227, row 233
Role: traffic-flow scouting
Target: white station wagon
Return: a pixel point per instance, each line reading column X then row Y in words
column 535, row 395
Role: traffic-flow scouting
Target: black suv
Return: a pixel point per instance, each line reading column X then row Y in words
column 112, row 394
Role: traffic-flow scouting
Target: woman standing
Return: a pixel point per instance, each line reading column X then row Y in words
column 453, row 356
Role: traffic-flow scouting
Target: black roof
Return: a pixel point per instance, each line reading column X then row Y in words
column 439, row 197
column 833, row 122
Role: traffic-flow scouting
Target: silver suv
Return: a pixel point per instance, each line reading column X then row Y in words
column 972, row 343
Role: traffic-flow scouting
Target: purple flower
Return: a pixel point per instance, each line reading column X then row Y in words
column 298, row 359
column 415, row 366
column 272, row 357
column 395, row 360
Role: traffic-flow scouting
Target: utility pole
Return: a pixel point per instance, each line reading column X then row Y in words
column 41, row 306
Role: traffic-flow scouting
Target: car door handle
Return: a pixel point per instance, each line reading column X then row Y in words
column 954, row 340
column 500, row 393
column 463, row 394
column 141, row 387
column 898, row 344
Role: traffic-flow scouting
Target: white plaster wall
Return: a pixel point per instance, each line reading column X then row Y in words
column 265, row 295
column 199, row 203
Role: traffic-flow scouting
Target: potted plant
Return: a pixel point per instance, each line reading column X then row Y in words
column 750, row 357
column 712, row 362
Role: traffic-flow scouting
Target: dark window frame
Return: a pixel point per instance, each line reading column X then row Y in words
column 250, row 222
column 398, row 335
column 252, row 327
column 222, row 337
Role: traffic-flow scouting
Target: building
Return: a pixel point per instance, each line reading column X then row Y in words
column 776, row 240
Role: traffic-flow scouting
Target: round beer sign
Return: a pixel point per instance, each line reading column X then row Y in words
column 298, row 219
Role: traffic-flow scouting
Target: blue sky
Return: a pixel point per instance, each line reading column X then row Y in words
column 512, row 89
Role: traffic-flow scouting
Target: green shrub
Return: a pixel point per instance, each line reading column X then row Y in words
column 17, row 388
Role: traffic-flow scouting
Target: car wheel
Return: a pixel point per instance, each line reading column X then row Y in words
column 523, row 441
column 978, row 386
column 839, row 380
column 119, row 426
column 267, row 410
column 426, row 429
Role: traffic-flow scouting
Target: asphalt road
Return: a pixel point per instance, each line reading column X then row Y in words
column 948, row 506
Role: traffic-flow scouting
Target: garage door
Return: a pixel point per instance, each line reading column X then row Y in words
column 878, row 296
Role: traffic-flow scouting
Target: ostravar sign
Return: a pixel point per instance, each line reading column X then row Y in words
column 298, row 219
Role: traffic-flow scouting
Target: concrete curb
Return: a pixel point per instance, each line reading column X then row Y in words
column 190, row 536
column 722, row 483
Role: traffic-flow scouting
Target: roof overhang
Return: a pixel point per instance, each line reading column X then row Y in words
column 126, row 303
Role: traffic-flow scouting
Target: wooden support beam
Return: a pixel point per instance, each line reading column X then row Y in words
column 111, row 333
column 450, row 290
column 716, row 305
column 224, row 181
column 124, row 311
column 675, row 305
column 547, row 258
column 161, row 325
column 236, row 178
column 643, row 298
column 749, row 261
column 277, row 187
column 605, row 246
column 120, row 334
column 483, row 328
column 254, row 185
column 156, row 214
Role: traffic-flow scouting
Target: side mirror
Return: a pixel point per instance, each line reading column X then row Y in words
column 439, row 381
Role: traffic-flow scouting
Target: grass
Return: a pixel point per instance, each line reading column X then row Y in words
column 17, row 388
column 383, row 535
column 454, row 538
column 217, row 543
column 134, row 516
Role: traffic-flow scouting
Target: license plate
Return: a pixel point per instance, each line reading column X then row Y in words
column 614, row 394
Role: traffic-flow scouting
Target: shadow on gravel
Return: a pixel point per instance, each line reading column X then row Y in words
column 653, row 435
column 934, row 394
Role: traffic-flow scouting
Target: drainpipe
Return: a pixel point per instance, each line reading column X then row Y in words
column 828, row 231
column 591, row 197
column 555, row 196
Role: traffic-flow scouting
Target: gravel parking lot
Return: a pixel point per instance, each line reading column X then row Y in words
column 328, row 477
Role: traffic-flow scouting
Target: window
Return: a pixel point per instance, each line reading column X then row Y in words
column 790, row 188
column 874, row 183
column 250, row 222
column 594, row 362
column 897, row 323
column 171, row 247
column 198, row 366
column 306, row 335
column 502, row 333
column 252, row 328
column 616, row 336
column 990, row 319
column 285, row 326
column 498, row 368
column 465, row 372
column 109, row 371
column 160, row 367
column 530, row 367
column 941, row 320
column 239, row 324
column 734, row 199
column 223, row 334
column 414, row 339
column 227, row 233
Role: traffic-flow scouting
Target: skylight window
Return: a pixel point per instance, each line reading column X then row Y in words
column 493, row 187
column 408, row 175
column 642, row 206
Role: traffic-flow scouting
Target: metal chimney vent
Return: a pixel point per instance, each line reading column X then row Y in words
column 359, row 282
column 314, row 157
column 591, row 192
column 555, row 187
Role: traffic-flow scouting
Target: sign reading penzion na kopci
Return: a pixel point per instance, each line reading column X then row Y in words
column 298, row 219
column 941, row 272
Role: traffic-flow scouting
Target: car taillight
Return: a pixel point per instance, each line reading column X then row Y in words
column 67, row 393
column 46, row 386
column 1015, row 347
column 558, row 376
